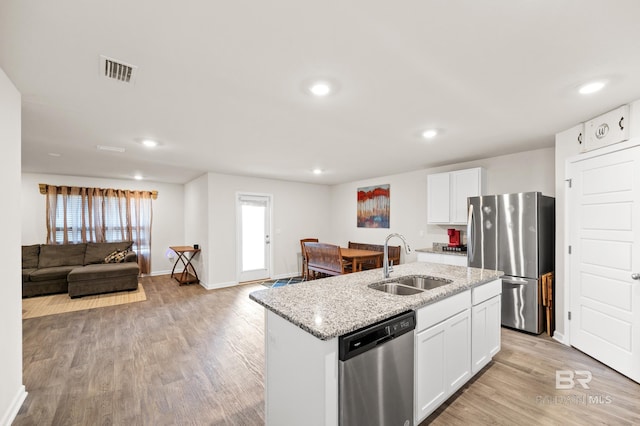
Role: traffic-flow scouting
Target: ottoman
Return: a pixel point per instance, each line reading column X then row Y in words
column 103, row 278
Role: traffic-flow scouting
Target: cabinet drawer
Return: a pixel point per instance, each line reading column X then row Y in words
column 485, row 291
column 441, row 310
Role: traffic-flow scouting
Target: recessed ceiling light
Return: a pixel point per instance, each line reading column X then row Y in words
column 138, row 177
column 592, row 87
column 54, row 154
column 320, row 88
column 429, row 134
column 317, row 171
column 149, row 143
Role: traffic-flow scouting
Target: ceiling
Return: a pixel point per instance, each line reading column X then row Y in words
column 221, row 85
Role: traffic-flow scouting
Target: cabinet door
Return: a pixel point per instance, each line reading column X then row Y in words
column 430, row 257
column 455, row 260
column 485, row 333
column 438, row 201
column 464, row 184
column 458, row 350
column 442, row 362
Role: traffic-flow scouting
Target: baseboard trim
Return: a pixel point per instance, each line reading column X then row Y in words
column 12, row 412
column 218, row 285
column 560, row 338
column 156, row 273
column 289, row 275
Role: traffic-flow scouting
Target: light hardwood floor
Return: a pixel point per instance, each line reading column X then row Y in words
column 190, row 356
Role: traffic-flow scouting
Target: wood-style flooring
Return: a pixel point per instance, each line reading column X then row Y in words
column 188, row 356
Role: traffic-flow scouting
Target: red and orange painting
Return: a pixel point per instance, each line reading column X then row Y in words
column 373, row 206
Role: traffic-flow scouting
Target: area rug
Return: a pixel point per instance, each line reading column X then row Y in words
column 34, row 307
column 282, row 282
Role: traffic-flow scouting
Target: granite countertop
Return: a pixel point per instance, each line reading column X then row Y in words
column 332, row 307
column 437, row 248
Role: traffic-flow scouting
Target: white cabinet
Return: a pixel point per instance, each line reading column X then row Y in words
column 464, row 184
column 447, row 195
column 442, row 352
column 445, row 259
column 485, row 324
column 438, row 198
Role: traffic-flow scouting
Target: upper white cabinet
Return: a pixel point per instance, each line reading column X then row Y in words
column 447, row 195
column 438, row 198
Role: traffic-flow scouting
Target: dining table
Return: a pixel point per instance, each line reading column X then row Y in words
column 358, row 256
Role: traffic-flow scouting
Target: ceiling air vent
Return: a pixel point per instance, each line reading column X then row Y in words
column 117, row 70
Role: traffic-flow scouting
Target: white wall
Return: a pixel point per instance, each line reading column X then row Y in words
column 168, row 212
column 525, row 171
column 408, row 211
column 196, row 224
column 12, row 392
column 300, row 210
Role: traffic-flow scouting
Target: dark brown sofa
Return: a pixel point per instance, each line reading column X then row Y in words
column 77, row 269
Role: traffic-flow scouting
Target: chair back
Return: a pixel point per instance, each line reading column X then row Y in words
column 305, row 269
column 324, row 258
column 306, row 240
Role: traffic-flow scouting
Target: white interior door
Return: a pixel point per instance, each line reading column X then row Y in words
column 254, row 244
column 604, row 214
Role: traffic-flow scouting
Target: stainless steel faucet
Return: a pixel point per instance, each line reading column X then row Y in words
column 385, row 267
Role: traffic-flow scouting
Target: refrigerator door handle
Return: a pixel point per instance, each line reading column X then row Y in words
column 512, row 280
column 471, row 234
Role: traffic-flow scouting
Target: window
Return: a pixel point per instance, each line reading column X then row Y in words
column 77, row 215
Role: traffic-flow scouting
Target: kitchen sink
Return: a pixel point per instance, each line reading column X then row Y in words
column 406, row 286
column 423, row 282
column 395, row 288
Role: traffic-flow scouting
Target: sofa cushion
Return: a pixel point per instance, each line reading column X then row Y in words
column 61, row 255
column 53, row 273
column 26, row 273
column 30, row 256
column 96, row 252
column 109, row 270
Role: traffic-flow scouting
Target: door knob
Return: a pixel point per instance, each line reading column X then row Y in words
column 635, row 276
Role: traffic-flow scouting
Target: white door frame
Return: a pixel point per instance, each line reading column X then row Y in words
column 568, row 235
column 239, row 234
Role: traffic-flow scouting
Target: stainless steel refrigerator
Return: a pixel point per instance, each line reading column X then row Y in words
column 514, row 233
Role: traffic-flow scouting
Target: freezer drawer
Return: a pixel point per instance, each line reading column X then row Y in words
column 522, row 304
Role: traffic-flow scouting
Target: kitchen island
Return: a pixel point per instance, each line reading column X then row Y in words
column 304, row 321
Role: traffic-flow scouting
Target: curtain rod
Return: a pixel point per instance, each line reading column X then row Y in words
column 44, row 188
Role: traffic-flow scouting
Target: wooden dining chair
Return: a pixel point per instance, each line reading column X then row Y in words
column 305, row 269
column 325, row 259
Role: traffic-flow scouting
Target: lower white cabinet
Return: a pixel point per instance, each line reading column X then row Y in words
column 446, row 259
column 485, row 323
column 485, row 332
column 442, row 354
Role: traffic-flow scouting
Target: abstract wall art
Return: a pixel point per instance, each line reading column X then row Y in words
column 373, row 206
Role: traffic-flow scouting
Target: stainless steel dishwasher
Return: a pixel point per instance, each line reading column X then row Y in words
column 376, row 374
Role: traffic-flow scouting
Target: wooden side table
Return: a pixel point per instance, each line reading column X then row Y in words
column 188, row 274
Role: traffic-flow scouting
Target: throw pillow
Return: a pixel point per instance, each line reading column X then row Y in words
column 116, row 257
